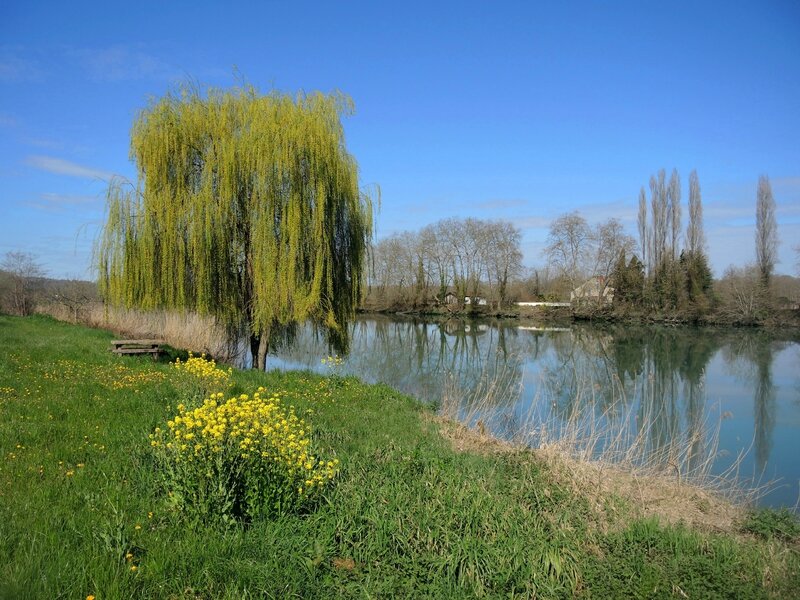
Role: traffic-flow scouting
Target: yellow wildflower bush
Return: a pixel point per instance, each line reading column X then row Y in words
column 246, row 457
column 335, row 366
column 201, row 375
column 333, row 362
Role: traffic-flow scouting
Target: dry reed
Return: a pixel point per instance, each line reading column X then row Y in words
column 188, row 331
column 614, row 448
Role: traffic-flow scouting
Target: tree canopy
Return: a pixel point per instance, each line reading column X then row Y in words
column 246, row 207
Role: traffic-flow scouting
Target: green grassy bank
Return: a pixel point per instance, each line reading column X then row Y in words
column 407, row 516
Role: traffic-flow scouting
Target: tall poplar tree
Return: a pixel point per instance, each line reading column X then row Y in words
column 674, row 211
column 246, row 208
column 658, row 237
column 695, row 238
column 766, row 231
column 699, row 281
column 642, row 223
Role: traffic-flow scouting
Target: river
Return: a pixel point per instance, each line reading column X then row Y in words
column 702, row 402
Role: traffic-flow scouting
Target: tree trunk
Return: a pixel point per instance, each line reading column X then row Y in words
column 263, row 348
column 254, row 343
column 259, row 347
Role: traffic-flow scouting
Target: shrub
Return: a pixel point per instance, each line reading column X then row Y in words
column 244, row 458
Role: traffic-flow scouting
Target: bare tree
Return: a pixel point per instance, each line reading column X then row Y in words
column 612, row 241
column 658, row 202
column 797, row 258
column 654, row 220
column 503, row 256
column 742, row 294
column 453, row 234
column 643, row 237
column 23, row 273
column 569, row 247
column 766, row 231
column 695, row 237
column 396, row 265
column 439, row 256
column 74, row 296
column 674, row 211
column 474, row 244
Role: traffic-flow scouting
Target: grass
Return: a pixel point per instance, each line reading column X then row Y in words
column 409, row 515
column 768, row 523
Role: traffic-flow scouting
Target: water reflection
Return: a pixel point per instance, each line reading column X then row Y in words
column 634, row 393
column 751, row 358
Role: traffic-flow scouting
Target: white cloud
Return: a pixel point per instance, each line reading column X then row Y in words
column 624, row 210
column 729, row 213
column 59, row 166
column 532, row 222
column 59, row 203
column 69, row 199
column 501, row 204
column 43, row 206
column 15, row 69
column 43, row 143
column 123, row 63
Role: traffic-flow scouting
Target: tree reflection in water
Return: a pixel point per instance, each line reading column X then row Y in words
column 632, row 393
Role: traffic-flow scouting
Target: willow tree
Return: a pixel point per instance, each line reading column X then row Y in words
column 246, row 208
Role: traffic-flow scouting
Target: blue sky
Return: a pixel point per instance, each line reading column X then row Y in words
column 521, row 111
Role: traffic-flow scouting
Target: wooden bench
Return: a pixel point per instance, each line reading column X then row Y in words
column 137, row 347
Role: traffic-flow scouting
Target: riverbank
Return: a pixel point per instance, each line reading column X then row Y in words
column 776, row 320
column 420, row 508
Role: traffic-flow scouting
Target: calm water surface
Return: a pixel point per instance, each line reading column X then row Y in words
column 686, row 399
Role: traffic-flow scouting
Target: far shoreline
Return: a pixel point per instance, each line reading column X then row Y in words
column 780, row 320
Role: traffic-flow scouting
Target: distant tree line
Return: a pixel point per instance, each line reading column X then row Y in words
column 668, row 272
column 468, row 258
column 665, row 273
column 25, row 289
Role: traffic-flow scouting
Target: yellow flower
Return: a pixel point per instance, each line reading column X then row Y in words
column 255, row 433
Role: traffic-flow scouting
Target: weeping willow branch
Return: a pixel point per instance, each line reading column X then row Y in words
column 246, row 208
